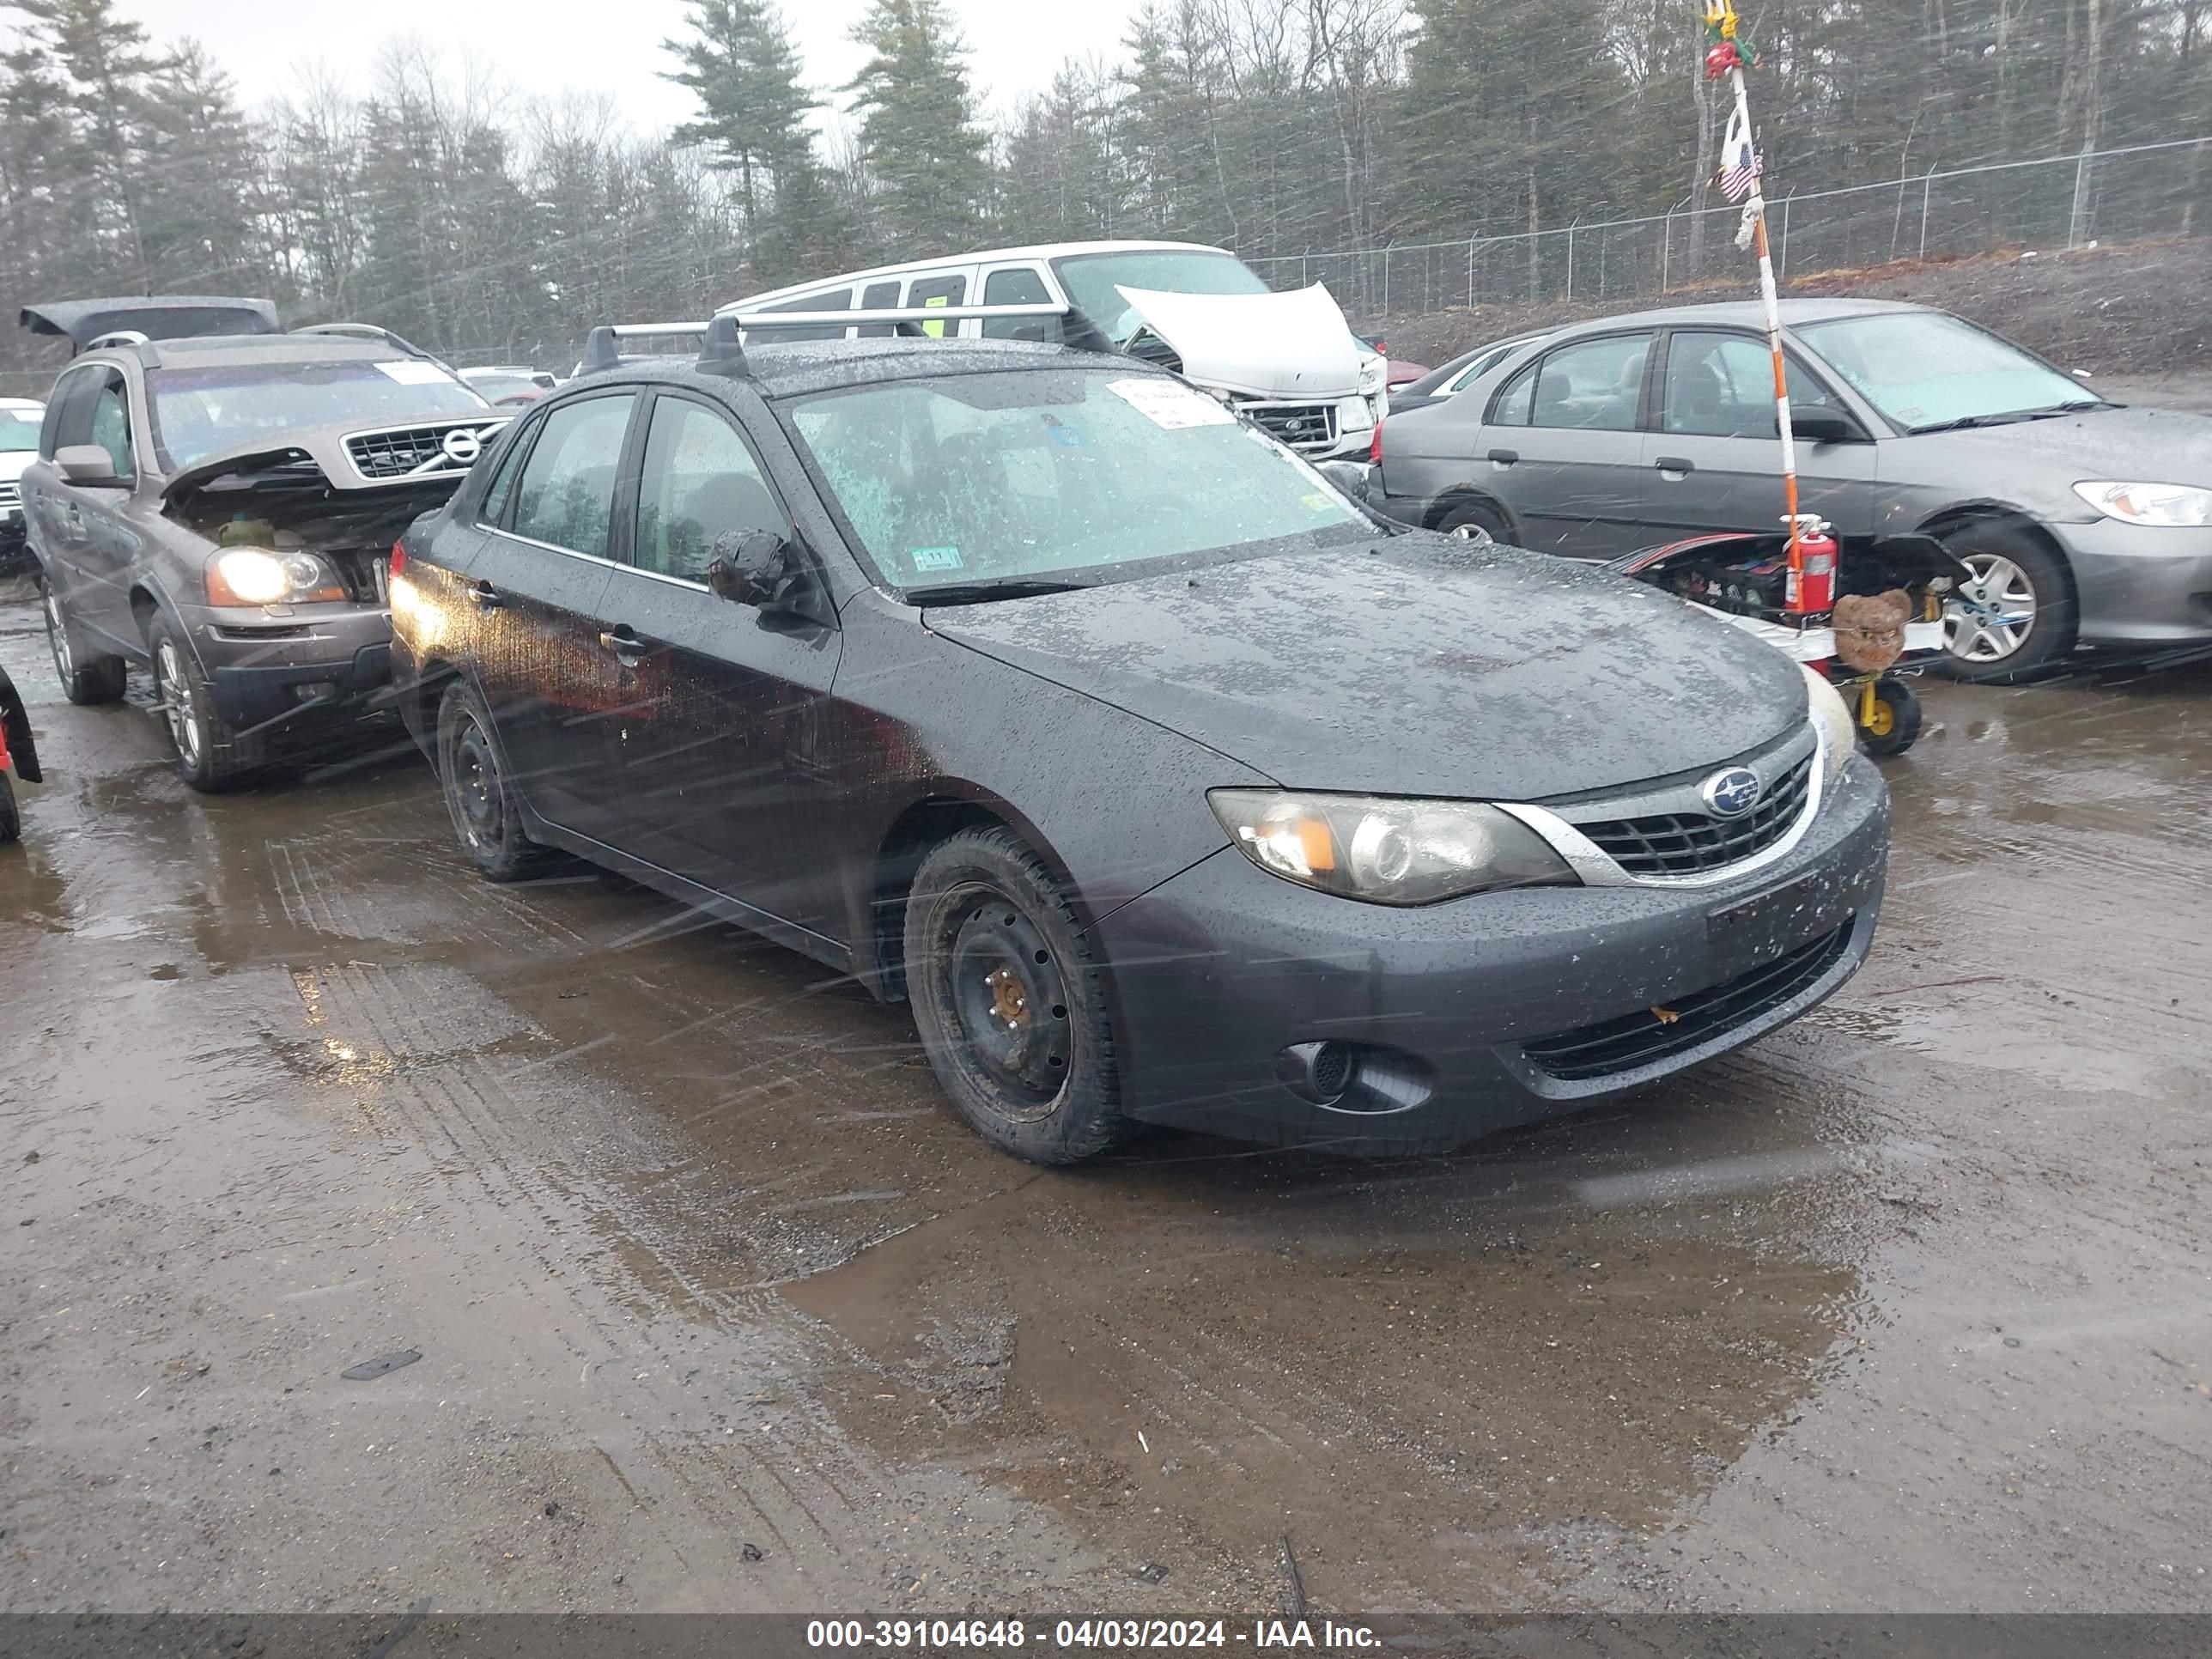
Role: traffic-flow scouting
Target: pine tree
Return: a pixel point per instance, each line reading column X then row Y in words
column 199, row 229
column 924, row 152
column 738, row 62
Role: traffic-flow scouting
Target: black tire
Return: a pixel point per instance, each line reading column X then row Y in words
column 1994, row 549
column 1011, row 1005
column 11, row 818
column 478, row 794
column 1474, row 521
column 1896, row 724
column 211, row 758
column 86, row 678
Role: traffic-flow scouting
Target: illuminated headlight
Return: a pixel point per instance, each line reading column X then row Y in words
column 1384, row 851
column 249, row 575
column 1839, row 734
column 2177, row 505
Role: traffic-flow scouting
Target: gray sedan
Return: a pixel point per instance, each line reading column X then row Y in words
column 2085, row 522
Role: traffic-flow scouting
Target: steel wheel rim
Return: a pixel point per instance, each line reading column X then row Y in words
column 472, row 785
column 2004, row 587
column 177, row 701
column 1009, row 1009
column 58, row 639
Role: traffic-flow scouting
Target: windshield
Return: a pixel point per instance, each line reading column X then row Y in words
column 1924, row 369
column 497, row 386
column 1091, row 280
column 19, row 430
column 1008, row 476
column 198, row 412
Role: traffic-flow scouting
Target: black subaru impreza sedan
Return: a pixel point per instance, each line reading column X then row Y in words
column 1031, row 685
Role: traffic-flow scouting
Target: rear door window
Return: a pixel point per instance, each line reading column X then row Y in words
column 1595, row 385
column 566, row 496
column 928, row 291
column 701, row 482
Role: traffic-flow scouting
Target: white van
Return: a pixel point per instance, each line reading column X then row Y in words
column 1288, row 361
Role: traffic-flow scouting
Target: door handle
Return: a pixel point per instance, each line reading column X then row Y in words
column 485, row 597
column 626, row 646
column 1505, row 457
column 1676, row 463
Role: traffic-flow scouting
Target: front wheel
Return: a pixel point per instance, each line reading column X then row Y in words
column 1888, row 722
column 1011, row 1007
column 2016, row 613
column 211, row 755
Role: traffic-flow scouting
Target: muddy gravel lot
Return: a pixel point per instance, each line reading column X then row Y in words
column 719, row 1307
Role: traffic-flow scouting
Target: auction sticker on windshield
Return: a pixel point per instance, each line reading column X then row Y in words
column 1168, row 404
column 415, row 373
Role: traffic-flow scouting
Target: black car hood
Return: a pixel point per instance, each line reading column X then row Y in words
column 1421, row 666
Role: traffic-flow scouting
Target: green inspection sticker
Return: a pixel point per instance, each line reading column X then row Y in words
column 934, row 558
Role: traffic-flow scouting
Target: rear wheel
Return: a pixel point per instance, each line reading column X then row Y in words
column 211, row 755
column 1474, row 521
column 1890, row 723
column 2019, row 614
column 478, row 793
column 1011, row 1007
column 86, row 677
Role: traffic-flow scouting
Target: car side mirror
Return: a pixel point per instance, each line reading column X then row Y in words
column 750, row 567
column 1816, row 424
column 86, row 465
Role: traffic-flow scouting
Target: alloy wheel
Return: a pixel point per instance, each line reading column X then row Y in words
column 2004, row 598
column 1470, row 531
column 57, row 638
column 178, row 702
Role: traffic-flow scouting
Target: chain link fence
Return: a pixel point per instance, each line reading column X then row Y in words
column 2052, row 202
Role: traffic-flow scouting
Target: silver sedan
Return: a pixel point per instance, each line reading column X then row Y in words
column 2086, row 523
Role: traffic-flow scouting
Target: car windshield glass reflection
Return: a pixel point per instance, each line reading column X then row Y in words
column 19, row 431
column 198, row 412
column 988, row 477
column 1094, row 282
column 1924, row 370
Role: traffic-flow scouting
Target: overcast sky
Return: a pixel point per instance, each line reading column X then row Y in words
column 544, row 47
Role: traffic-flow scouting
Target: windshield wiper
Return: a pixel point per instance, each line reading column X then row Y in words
column 2049, row 411
column 1003, row 587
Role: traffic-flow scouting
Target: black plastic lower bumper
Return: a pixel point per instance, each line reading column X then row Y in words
column 270, row 699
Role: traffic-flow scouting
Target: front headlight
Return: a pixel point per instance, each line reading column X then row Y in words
column 2175, row 505
column 1384, row 851
column 248, row 575
column 1839, row 732
column 1372, row 373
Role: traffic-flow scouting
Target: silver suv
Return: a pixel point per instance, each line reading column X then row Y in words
column 221, row 507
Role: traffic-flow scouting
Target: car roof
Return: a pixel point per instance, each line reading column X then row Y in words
column 794, row 368
column 1744, row 314
column 1039, row 251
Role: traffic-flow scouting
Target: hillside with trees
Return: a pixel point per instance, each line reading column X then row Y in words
column 469, row 217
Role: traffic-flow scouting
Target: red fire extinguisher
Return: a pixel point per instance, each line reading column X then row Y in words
column 1812, row 588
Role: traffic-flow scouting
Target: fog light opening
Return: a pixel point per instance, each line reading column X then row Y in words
column 1354, row 1077
column 1317, row 1073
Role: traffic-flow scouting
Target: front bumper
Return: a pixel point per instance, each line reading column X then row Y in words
column 272, row 673
column 2140, row 584
column 1473, row 1016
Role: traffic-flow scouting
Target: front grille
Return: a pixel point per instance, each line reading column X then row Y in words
column 413, row 451
column 1692, row 843
column 1645, row 1038
column 1302, row 426
column 10, row 493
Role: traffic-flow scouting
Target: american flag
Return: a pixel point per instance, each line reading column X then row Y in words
column 1741, row 162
